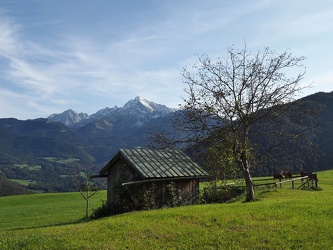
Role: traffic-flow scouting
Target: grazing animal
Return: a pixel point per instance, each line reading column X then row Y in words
column 278, row 175
column 283, row 174
column 311, row 175
column 288, row 174
column 306, row 173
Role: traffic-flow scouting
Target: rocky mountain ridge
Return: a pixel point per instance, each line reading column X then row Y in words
column 69, row 117
column 135, row 112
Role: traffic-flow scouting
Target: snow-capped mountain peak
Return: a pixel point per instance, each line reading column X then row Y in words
column 138, row 101
column 135, row 112
column 69, row 117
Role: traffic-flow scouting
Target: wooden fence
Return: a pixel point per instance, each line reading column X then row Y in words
column 302, row 180
column 305, row 180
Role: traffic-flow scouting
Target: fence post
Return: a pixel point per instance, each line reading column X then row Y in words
column 315, row 180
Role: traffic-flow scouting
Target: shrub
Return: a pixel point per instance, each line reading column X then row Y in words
column 128, row 199
column 145, row 199
column 176, row 195
column 102, row 211
column 221, row 194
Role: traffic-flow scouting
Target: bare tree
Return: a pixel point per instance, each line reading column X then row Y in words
column 230, row 95
column 86, row 189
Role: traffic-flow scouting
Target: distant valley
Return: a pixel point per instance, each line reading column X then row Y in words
column 48, row 150
column 43, row 153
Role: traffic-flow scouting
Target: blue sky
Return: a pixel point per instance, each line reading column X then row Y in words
column 90, row 54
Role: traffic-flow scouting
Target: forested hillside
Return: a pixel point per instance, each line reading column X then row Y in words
column 11, row 188
column 46, row 153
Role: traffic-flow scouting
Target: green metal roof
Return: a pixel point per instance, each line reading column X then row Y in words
column 155, row 164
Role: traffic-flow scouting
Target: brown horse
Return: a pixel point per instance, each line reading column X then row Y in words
column 283, row 174
column 278, row 175
column 288, row 174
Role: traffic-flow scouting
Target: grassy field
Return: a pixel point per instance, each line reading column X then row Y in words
column 43, row 210
column 280, row 219
column 61, row 160
column 22, row 182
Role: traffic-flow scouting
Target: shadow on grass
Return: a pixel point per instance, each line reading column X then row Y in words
column 83, row 220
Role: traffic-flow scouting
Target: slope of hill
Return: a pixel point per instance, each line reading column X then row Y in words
column 25, row 141
column 287, row 218
column 8, row 187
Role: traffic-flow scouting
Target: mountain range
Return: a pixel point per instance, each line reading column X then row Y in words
column 135, row 113
column 45, row 152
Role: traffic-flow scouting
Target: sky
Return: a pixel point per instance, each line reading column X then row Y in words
column 87, row 55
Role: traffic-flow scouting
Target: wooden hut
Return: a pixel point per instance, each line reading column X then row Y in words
column 138, row 168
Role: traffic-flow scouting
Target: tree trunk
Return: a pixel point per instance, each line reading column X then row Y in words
column 249, row 185
column 245, row 168
column 87, row 205
column 87, row 209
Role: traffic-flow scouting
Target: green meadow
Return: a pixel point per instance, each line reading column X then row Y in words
column 22, row 182
column 280, row 219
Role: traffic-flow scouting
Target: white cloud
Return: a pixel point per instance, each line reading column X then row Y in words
column 8, row 41
column 30, row 77
column 322, row 82
column 22, row 106
column 106, row 66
